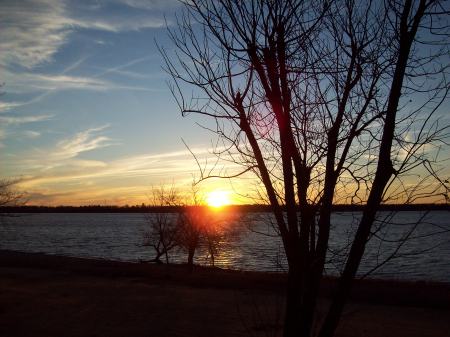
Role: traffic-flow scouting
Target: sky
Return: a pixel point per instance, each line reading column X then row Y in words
column 86, row 116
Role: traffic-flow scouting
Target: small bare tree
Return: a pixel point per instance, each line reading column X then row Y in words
column 324, row 102
column 186, row 225
column 191, row 224
column 197, row 226
column 9, row 195
column 213, row 234
column 164, row 231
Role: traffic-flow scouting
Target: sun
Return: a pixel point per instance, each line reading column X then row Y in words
column 218, row 198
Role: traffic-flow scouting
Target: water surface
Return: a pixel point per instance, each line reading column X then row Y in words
column 120, row 236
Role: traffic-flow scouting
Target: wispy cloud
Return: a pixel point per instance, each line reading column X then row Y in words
column 31, row 134
column 28, row 82
column 34, row 30
column 122, row 180
column 31, row 82
column 151, row 4
column 149, row 165
column 83, row 141
column 6, row 106
column 120, row 69
column 6, row 122
column 118, row 24
column 9, row 120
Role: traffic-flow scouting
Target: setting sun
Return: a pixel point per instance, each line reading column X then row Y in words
column 218, row 198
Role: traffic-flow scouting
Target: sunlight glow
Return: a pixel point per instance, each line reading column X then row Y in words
column 218, row 198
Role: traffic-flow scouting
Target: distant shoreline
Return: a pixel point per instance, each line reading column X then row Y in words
column 169, row 209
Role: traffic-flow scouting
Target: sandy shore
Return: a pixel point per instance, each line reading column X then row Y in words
column 43, row 295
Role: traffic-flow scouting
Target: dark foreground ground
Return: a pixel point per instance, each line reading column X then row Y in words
column 50, row 296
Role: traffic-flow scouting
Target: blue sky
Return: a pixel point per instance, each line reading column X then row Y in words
column 86, row 116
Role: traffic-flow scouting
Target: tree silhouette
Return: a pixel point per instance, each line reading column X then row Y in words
column 9, row 196
column 199, row 226
column 188, row 225
column 325, row 102
column 162, row 235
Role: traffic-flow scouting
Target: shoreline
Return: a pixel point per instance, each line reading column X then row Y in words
column 52, row 296
column 376, row 291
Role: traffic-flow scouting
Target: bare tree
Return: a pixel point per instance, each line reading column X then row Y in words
column 163, row 233
column 182, row 224
column 220, row 228
column 9, row 195
column 213, row 235
column 325, row 102
column 191, row 222
column 197, row 226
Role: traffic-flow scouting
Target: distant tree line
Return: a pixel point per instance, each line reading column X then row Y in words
column 232, row 208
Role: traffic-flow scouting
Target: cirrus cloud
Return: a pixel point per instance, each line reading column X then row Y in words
column 34, row 30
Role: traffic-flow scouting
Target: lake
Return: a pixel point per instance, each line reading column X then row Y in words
column 253, row 245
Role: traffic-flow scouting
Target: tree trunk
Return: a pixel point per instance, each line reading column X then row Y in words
column 191, row 252
column 292, row 319
column 167, row 257
column 300, row 303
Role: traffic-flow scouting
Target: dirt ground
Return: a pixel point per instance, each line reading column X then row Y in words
column 45, row 301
